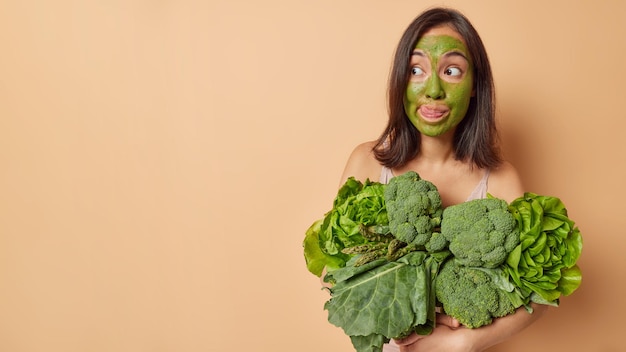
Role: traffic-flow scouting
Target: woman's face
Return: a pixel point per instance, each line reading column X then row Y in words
column 441, row 82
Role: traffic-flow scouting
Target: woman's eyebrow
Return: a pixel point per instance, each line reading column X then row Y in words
column 455, row 53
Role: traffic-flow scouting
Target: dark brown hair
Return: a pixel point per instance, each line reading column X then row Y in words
column 476, row 136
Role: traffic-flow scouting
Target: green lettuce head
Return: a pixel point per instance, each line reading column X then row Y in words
column 358, row 210
column 543, row 266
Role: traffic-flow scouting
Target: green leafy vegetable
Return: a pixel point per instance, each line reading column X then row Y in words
column 389, row 299
column 392, row 255
column 543, row 266
column 316, row 259
column 358, row 213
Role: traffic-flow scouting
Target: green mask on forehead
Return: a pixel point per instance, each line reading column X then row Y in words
column 441, row 85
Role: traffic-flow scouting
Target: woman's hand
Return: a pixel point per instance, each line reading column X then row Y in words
column 444, row 338
column 443, row 319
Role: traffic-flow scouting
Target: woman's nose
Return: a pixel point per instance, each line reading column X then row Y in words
column 433, row 88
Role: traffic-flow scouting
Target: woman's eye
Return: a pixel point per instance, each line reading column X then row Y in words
column 416, row 71
column 452, row 71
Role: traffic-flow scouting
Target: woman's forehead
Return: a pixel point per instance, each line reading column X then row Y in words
column 444, row 30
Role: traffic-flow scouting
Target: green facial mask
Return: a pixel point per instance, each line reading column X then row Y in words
column 441, row 85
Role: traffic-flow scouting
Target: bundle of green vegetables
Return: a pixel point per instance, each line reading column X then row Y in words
column 393, row 255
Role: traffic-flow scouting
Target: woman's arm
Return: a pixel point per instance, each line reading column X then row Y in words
column 362, row 164
column 505, row 183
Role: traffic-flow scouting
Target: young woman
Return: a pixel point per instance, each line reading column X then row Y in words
column 442, row 125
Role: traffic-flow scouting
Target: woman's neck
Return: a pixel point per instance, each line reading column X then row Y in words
column 436, row 155
column 437, row 150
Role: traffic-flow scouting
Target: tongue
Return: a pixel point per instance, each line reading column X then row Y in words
column 431, row 113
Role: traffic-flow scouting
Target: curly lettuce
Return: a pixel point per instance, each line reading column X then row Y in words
column 358, row 210
column 543, row 266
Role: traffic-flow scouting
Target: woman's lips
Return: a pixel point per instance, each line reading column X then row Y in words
column 433, row 112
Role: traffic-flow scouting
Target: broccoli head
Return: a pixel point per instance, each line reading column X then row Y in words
column 413, row 207
column 436, row 243
column 481, row 232
column 469, row 295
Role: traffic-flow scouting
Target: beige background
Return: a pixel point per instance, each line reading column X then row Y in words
column 161, row 160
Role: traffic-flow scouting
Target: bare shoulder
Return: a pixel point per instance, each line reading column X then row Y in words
column 362, row 164
column 505, row 182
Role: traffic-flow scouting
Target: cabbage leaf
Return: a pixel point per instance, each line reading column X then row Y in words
column 387, row 300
